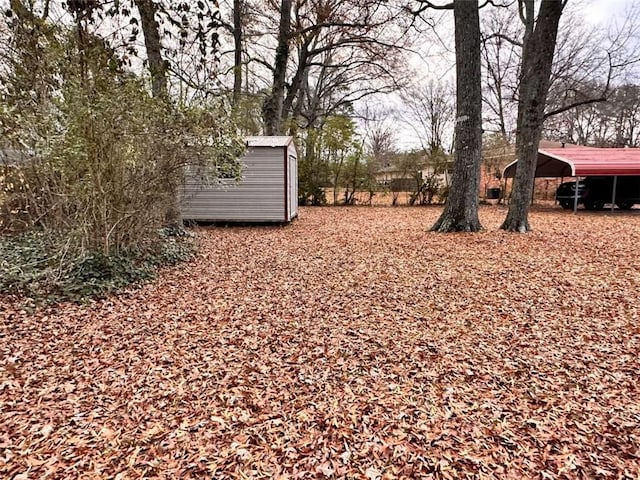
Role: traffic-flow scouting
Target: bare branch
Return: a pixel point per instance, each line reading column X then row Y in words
column 497, row 5
column 574, row 105
column 502, row 36
column 427, row 4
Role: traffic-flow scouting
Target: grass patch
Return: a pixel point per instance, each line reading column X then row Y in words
column 40, row 266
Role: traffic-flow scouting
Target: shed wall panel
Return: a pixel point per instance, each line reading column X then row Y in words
column 258, row 197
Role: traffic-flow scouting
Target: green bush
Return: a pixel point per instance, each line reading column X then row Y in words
column 103, row 160
column 38, row 266
column 96, row 167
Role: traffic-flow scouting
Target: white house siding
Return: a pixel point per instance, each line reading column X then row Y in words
column 259, row 197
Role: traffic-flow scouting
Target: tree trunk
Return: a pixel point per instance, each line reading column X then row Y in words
column 151, row 31
column 295, row 89
column 461, row 209
column 336, row 178
column 158, row 71
column 537, row 60
column 272, row 108
column 237, row 51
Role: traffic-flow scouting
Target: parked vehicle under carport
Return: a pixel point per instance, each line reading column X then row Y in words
column 595, row 192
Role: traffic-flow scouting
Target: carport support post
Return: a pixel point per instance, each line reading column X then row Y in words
column 613, row 196
column 555, row 199
column 533, row 191
column 575, row 196
column 503, row 194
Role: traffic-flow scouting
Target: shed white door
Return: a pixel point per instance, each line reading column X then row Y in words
column 293, row 187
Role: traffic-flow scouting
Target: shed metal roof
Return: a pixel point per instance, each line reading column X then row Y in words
column 583, row 161
column 272, row 141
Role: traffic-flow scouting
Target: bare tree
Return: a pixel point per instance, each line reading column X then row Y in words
column 585, row 55
column 537, row 60
column 431, row 113
column 613, row 123
column 151, row 31
column 501, row 56
column 381, row 144
column 273, row 105
column 340, row 52
column 237, row 50
column 461, row 209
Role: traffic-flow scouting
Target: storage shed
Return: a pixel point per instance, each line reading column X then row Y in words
column 267, row 192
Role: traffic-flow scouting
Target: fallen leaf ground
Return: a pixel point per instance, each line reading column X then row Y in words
column 351, row 344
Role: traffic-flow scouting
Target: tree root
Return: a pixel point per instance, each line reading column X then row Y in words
column 446, row 224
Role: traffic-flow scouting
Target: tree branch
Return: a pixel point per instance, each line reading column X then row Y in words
column 260, row 61
column 574, row 105
column 502, row 36
column 191, row 83
column 498, row 5
column 320, row 26
column 428, row 4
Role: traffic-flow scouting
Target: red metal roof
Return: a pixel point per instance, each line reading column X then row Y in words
column 584, row 161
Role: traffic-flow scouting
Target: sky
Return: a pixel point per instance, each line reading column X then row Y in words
column 601, row 11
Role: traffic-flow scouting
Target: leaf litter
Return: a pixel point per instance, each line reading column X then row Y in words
column 350, row 344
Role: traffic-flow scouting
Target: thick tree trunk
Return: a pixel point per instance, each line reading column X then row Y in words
column 537, row 60
column 295, row 89
column 461, row 209
column 173, row 214
column 272, row 108
column 151, row 31
column 237, row 51
column 158, row 71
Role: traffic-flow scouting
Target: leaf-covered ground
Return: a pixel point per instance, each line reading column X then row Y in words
column 351, row 344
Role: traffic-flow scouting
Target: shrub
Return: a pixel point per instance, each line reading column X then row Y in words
column 102, row 159
column 99, row 163
column 39, row 266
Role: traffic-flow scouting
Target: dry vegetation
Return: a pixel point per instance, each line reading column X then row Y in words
column 351, row 344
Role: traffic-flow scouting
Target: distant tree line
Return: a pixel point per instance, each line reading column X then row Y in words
column 312, row 70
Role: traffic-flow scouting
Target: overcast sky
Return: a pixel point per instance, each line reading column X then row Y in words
column 598, row 11
column 602, row 13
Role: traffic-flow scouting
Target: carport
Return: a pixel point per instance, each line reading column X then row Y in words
column 582, row 162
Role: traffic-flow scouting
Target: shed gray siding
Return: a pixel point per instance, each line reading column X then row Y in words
column 258, row 197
